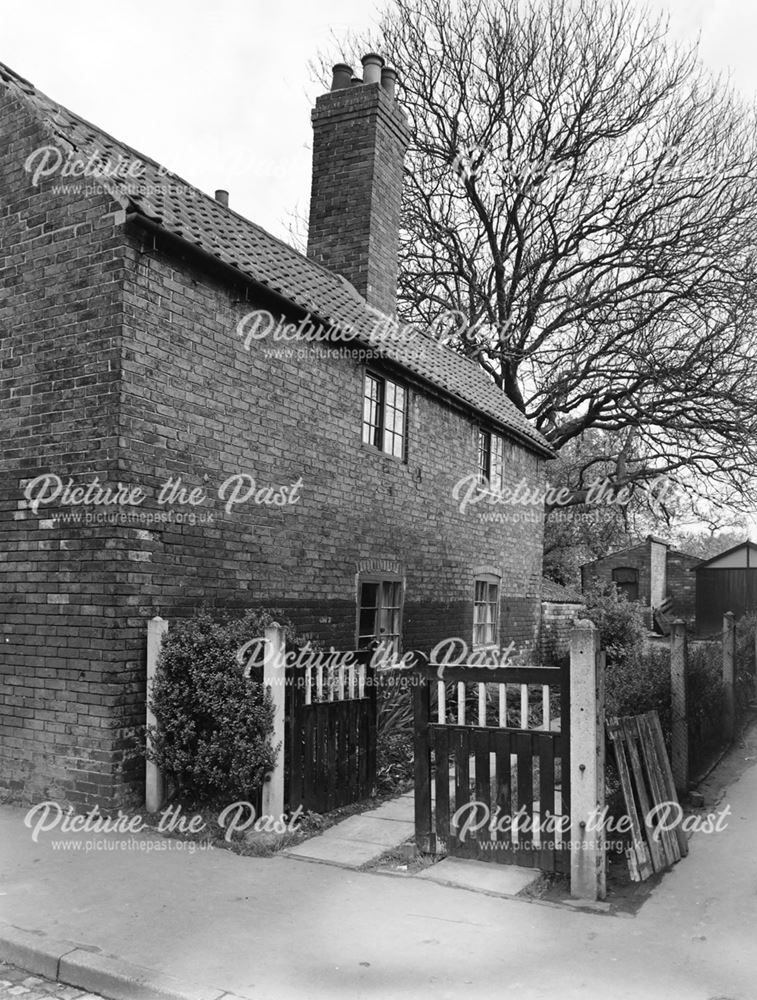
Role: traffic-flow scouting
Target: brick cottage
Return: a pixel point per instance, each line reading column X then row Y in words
column 139, row 400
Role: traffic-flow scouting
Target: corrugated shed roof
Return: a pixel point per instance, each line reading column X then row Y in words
column 184, row 211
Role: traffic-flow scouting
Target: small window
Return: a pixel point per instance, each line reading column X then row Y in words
column 491, row 460
column 626, row 579
column 380, row 613
column 384, row 415
column 486, row 612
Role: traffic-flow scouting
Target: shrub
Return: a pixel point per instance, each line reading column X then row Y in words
column 633, row 686
column 395, row 752
column 620, row 622
column 745, row 660
column 213, row 726
column 705, row 692
column 641, row 684
column 745, row 629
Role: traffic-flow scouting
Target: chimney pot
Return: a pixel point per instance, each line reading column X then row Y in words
column 372, row 64
column 222, row 197
column 355, row 81
column 389, row 80
column 342, row 76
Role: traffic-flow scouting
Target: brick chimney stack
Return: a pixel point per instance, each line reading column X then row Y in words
column 360, row 137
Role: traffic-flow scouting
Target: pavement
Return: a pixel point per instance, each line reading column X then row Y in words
column 364, row 839
column 140, row 917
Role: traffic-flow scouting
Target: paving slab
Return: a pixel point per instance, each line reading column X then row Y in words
column 357, row 840
column 333, row 851
column 371, row 830
column 481, row 876
column 400, row 809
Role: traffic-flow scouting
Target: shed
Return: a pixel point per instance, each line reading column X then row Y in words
column 649, row 573
column 727, row 582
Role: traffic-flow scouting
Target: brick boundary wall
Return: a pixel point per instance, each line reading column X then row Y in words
column 557, row 620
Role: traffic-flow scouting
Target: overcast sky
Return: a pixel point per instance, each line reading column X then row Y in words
column 221, row 92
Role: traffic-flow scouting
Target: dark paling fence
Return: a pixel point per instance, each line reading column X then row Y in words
column 330, row 734
column 498, row 743
column 719, row 591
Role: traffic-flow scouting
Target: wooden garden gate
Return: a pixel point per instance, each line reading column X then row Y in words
column 492, row 764
column 330, row 733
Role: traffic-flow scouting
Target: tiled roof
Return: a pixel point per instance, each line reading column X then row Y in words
column 555, row 593
column 184, row 211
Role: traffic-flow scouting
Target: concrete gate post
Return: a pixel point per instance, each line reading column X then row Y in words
column 274, row 678
column 154, row 786
column 587, row 763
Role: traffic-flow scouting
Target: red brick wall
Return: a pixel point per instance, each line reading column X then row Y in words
column 682, row 584
column 196, row 404
column 61, row 257
column 637, row 557
column 359, row 141
column 557, row 620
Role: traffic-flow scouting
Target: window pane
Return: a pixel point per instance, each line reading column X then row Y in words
column 497, row 470
column 380, row 613
column 368, row 621
column 396, row 446
column 485, row 612
column 484, row 456
column 372, row 411
column 394, row 420
column 384, row 415
column 369, row 419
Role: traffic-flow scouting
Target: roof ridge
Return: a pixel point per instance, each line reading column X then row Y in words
column 163, row 170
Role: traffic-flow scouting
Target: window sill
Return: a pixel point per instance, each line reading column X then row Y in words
column 373, row 450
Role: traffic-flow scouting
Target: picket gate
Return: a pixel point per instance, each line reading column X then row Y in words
column 499, row 738
column 330, row 728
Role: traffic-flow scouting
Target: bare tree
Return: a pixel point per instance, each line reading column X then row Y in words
column 582, row 196
column 600, row 517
